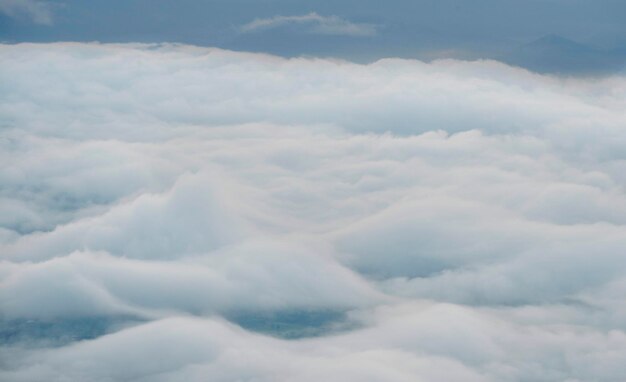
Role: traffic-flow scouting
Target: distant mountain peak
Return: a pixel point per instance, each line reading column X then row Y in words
column 558, row 42
column 557, row 54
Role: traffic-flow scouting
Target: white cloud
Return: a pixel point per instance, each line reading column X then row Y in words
column 39, row 12
column 424, row 342
column 185, row 221
column 453, row 211
column 316, row 24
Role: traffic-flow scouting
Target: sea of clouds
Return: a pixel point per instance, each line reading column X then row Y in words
column 461, row 221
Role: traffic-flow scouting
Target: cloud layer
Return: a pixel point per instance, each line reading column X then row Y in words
column 448, row 212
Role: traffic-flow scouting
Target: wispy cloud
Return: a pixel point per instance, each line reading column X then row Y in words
column 316, row 24
column 39, row 12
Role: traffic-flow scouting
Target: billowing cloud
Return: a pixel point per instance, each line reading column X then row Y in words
column 39, row 12
column 170, row 212
column 315, row 23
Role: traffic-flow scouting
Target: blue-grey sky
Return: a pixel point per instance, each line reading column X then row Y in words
column 581, row 34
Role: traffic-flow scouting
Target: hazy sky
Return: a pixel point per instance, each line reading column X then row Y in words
column 421, row 28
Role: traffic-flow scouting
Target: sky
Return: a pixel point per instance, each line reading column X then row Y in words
column 192, row 211
column 556, row 36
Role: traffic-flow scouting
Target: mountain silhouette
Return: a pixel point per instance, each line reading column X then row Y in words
column 556, row 54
